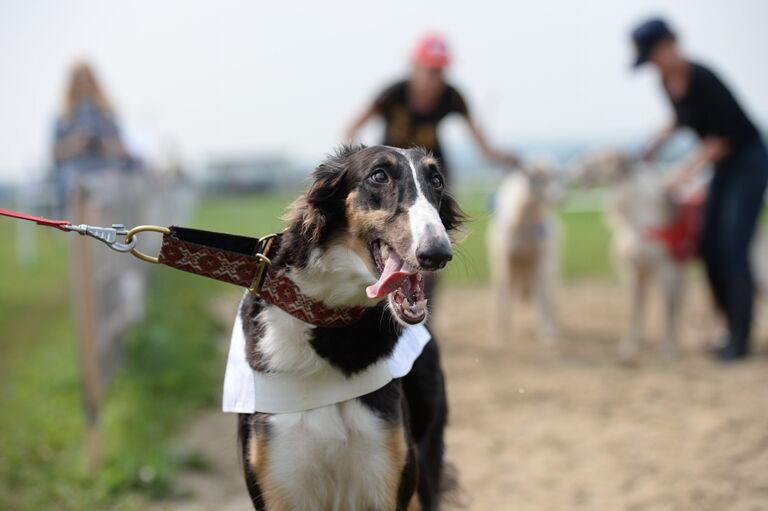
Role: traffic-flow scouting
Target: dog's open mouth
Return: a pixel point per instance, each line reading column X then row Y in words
column 402, row 282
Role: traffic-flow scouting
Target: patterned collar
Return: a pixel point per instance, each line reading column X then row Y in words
column 246, row 262
column 282, row 292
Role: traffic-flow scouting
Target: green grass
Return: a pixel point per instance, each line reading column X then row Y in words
column 172, row 366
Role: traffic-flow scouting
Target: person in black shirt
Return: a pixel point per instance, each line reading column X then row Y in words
column 731, row 144
column 413, row 108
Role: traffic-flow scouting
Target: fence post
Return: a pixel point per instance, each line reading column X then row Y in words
column 85, row 325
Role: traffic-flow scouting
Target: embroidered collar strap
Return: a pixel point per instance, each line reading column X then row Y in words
column 245, row 261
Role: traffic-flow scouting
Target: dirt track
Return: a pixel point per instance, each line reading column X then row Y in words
column 564, row 427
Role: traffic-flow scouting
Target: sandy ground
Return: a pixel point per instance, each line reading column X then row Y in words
column 541, row 427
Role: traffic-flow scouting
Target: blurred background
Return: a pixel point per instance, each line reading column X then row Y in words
column 214, row 113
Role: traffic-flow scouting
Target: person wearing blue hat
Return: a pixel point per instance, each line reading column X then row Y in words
column 730, row 143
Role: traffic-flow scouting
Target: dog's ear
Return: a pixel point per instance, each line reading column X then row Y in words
column 450, row 213
column 323, row 203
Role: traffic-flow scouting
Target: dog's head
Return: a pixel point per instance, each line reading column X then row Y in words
column 388, row 207
column 544, row 181
column 604, row 168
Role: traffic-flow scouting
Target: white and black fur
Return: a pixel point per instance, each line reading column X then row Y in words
column 382, row 451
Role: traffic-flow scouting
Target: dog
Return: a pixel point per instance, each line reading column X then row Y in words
column 522, row 240
column 374, row 221
column 638, row 206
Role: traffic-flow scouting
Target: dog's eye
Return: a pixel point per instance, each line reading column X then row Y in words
column 437, row 181
column 379, row 176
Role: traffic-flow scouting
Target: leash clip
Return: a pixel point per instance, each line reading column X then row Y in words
column 107, row 235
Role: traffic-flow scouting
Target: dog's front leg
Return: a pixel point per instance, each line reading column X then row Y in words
column 545, row 302
column 503, row 310
column 501, row 281
column 637, row 280
column 673, row 282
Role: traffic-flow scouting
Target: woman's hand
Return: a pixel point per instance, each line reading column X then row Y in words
column 674, row 186
column 710, row 151
column 507, row 159
column 652, row 149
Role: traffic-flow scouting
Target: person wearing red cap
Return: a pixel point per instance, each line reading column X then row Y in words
column 413, row 108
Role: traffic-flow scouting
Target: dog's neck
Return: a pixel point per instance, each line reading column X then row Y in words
column 335, row 275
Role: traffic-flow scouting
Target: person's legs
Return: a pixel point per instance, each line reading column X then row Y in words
column 710, row 248
column 742, row 199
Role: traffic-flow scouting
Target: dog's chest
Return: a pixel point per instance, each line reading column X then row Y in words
column 336, row 458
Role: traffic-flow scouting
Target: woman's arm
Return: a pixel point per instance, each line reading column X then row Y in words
column 710, row 151
column 69, row 146
column 359, row 122
column 658, row 140
column 488, row 151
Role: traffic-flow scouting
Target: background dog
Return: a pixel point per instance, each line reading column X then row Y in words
column 371, row 224
column 523, row 245
column 637, row 205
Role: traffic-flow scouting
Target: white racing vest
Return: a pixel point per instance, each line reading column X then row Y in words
column 249, row 391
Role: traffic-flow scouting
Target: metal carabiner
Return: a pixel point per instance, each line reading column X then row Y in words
column 107, row 235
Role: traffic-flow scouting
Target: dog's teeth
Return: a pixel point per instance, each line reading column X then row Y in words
column 416, row 309
column 419, row 277
column 384, row 251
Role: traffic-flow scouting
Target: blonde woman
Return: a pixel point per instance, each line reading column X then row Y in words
column 86, row 137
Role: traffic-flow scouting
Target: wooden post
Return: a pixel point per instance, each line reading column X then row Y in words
column 85, row 327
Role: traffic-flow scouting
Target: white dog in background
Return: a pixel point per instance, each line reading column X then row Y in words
column 523, row 245
column 637, row 205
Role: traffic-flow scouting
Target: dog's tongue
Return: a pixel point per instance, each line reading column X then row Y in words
column 395, row 270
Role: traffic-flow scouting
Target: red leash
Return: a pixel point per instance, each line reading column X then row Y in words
column 39, row 220
column 108, row 235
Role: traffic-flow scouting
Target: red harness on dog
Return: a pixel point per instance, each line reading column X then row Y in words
column 230, row 258
column 681, row 235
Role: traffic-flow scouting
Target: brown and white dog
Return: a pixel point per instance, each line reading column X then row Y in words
column 371, row 224
column 522, row 240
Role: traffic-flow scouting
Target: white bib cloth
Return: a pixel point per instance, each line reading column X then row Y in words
column 249, row 391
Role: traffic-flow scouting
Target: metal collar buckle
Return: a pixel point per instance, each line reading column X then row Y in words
column 265, row 244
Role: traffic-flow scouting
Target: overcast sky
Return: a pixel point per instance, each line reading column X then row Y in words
column 212, row 78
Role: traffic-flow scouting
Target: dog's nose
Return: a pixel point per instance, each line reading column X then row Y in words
column 434, row 256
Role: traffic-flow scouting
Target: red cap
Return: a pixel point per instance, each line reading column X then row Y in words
column 431, row 51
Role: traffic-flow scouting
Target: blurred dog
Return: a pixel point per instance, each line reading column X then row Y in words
column 522, row 241
column 637, row 206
